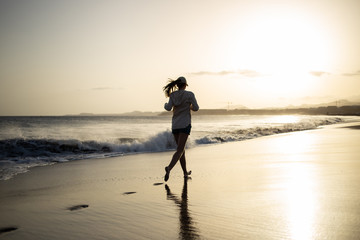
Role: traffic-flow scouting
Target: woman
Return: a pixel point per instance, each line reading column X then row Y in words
column 181, row 101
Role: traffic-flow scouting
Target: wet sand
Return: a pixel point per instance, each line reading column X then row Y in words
column 301, row 185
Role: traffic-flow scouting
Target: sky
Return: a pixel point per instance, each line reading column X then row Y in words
column 92, row 56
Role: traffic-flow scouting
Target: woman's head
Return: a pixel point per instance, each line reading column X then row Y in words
column 179, row 83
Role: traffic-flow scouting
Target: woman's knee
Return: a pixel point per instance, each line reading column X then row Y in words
column 181, row 152
column 182, row 158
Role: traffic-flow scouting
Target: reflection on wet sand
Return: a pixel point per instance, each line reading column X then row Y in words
column 299, row 183
column 301, row 201
column 187, row 228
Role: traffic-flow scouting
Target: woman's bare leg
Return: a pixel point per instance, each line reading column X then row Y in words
column 182, row 159
column 183, row 164
column 180, row 139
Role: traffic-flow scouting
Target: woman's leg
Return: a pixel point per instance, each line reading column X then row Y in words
column 180, row 139
column 183, row 164
column 182, row 158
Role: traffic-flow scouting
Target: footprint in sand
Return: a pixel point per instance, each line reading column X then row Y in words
column 78, row 207
column 128, row 193
column 157, row 184
column 7, row 229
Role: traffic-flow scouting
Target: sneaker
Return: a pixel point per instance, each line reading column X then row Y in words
column 188, row 174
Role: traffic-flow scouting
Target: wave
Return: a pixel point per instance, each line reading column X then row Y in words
column 19, row 154
column 255, row 132
column 54, row 150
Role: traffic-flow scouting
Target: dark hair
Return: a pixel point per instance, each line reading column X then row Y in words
column 173, row 84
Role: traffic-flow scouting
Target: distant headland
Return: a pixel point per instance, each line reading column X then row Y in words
column 326, row 110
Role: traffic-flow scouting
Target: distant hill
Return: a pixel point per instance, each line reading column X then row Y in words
column 338, row 103
column 134, row 113
column 340, row 107
column 140, row 114
column 328, row 110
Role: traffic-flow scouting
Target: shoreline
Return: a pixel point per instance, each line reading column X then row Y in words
column 297, row 185
column 25, row 154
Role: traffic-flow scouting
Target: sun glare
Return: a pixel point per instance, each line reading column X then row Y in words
column 286, row 40
column 284, row 44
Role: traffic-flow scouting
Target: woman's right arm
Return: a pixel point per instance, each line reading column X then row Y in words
column 168, row 106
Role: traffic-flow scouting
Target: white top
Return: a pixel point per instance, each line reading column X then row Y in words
column 182, row 101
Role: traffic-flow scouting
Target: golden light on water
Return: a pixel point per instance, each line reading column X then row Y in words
column 284, row 119
column 301, row 201
column 299, row 186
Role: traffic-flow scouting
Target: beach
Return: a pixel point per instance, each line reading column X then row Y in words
column 297, row 185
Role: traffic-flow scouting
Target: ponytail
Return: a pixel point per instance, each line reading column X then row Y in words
column 172, row 85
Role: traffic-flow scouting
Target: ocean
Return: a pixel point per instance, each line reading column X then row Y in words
column 26, row 142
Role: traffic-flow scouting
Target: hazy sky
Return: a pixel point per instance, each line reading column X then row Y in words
column 69, row 57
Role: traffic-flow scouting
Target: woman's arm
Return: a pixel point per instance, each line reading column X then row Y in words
column 168, row 106
column 194, row 105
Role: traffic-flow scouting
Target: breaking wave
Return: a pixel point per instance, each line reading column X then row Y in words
column 255, row 132
column 17, row 155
